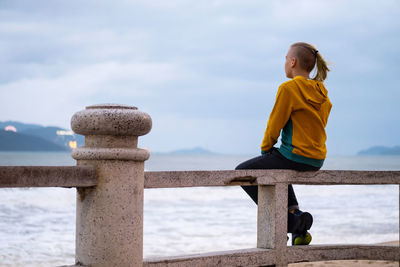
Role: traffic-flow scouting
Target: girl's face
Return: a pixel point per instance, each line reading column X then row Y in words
column 289, row 64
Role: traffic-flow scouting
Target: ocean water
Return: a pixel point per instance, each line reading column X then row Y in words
column 37, row 225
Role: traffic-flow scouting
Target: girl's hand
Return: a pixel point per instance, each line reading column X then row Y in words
column 269, row 151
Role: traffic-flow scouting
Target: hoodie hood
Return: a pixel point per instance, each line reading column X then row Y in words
column 314, row 92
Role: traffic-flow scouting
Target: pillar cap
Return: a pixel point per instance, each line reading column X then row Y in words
column 111, row 106
column 111, row 119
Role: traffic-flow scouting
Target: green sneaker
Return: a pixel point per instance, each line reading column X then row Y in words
column 301, row 239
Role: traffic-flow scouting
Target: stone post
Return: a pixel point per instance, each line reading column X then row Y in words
column 272, row 220
column 109, row 217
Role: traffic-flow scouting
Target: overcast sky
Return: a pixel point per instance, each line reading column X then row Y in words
column 206, row 71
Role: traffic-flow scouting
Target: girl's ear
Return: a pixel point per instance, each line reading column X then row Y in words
column 293, row 62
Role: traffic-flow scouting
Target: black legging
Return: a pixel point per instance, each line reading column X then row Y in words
column 274, row 160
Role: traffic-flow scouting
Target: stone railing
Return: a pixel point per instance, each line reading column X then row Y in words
column 110, row 181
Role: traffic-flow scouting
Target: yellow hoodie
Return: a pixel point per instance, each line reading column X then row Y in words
column 301, row 109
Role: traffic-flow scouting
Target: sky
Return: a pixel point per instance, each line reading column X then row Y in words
column 207, row 72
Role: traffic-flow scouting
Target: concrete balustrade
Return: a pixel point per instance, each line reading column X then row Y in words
column 110, row 181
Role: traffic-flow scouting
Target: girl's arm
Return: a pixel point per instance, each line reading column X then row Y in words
column 278, row 118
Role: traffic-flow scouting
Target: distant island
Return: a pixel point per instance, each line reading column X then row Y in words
column 17, row 136
column 192, row 151
column 188, row 151
column 380, row 150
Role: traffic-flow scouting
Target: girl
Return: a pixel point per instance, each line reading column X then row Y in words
column 301, row 112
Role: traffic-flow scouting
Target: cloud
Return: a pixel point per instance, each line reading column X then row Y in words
column 198, row 63
column 45, row 99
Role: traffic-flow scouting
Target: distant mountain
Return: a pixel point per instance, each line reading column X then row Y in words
column 61, row 139
column 11, row 141
column 19, row 125
column 380, row 150
column 192, row 151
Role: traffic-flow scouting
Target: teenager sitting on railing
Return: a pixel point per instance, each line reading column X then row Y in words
column 301, row 111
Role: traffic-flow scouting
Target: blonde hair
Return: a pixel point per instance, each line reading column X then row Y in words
column 308, row 57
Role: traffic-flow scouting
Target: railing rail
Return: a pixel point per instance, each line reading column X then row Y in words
column 47, row 176
column 86, row 176
column 172, row 179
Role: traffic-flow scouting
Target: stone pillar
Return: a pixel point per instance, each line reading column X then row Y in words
column 109, row 217
column 272, row 220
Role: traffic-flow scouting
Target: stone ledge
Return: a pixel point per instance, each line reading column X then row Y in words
column 170, row 179
column 342, row 252
column 47, row 176
column 244, row 257
column 295, row 254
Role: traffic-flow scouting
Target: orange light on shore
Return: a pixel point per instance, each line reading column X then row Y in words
column 72, row 144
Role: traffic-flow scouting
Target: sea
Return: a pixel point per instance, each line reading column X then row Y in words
column 37, row 225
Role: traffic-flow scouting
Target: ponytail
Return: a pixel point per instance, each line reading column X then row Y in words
column 309, row 57
column 322, row 68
